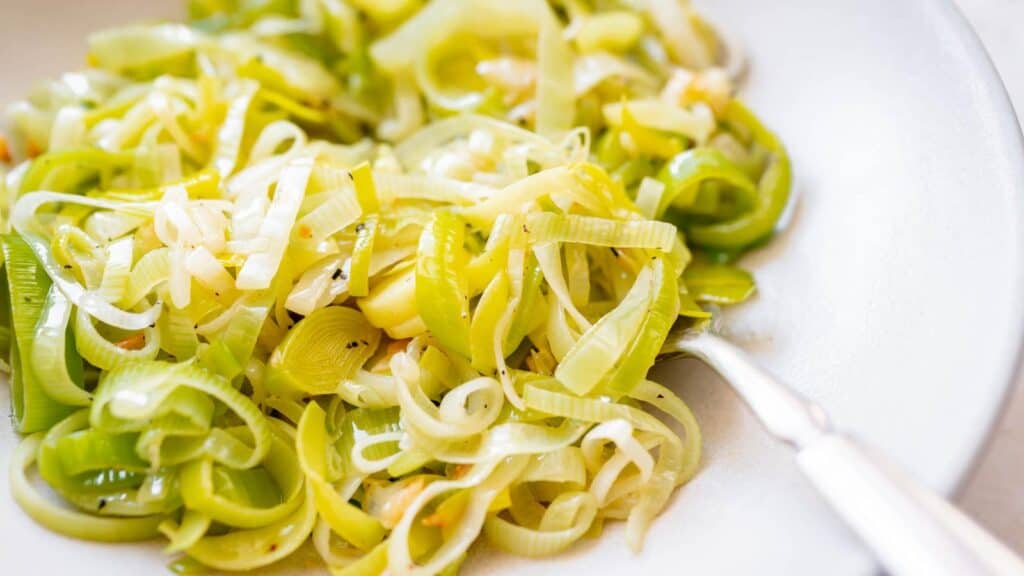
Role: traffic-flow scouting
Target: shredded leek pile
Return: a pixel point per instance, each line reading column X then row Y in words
column 381, row 276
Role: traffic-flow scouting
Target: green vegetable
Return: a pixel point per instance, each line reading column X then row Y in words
column 323, row 349
column 386, row 277
column 772, row 191
column 440, row 295
column 719, row 284
column 27, row 287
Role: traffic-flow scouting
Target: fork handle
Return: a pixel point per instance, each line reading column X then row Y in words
column 913, row 531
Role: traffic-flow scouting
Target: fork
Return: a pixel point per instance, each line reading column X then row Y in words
column 913, row 531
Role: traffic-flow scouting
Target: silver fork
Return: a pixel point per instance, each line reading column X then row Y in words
column 913, row 531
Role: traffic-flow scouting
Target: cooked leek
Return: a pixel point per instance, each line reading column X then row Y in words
column 386, row 276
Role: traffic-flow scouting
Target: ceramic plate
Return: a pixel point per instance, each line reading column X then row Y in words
column 894, row 298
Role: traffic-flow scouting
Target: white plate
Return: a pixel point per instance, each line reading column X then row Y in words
column 895, row 297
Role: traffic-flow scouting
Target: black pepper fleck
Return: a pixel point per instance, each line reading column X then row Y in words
column 102, row 504
column 661, row 396
column 339, row 273
column 360, row 227
column 614, row 251
column 352, row 344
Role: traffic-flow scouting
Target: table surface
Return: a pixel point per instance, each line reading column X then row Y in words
column 994, row 494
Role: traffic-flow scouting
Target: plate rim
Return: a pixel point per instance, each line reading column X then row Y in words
column 1008, row 137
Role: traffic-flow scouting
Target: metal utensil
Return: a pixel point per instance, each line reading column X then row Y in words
column 912, row 530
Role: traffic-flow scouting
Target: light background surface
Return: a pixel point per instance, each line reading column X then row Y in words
column 935, row 129
column 995, row 492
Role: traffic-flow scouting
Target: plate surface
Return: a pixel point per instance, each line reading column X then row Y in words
column 894, row 298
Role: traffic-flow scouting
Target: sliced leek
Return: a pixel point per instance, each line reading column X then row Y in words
column 389, row 284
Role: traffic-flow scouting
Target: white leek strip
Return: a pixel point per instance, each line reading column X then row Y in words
column 648, row 197
column 68, row 129
column 273, row 136
column 335, row 214
column 546, row 227
column 475, row 405
column 177, row 334
column 516, row 263
column 368, row 466
column 106, row 355
column 21, row 219
column 564, row 465
column 172, row 224
column 514, row 197
column 549, row 257
column 120, row 49
column 598, row 350
column 263, row 164
column 433, row 87
column 179, row 283
column 671, row 456
column 230, row 133
column 576, row 144
column 369, row 390
column 556, row 96
column 168, row 159
column 735, row 55
column 414, row 149
column 186, row 91
column 487, row 480
column 408, row 110
column 336, row 557
column 398, row 50
column 163, row 107
column 697, row 123
column 49, row 361
column 250, row 211
column 425, row 187
column 509, row 439
column 113, row 134
column 259, row 268
column 669, row 402
column 341, row 21
column 270, row 26
column 310, row 292
column 561, row 337
column 111, row 225
column 208, row 271
column 580, row 508
column 676, row 22
column 628, row 450
column 152, row 268
column 299, row 73
column 117, row 270
column 577, row 268
column 591, row 70
column 208, row 216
